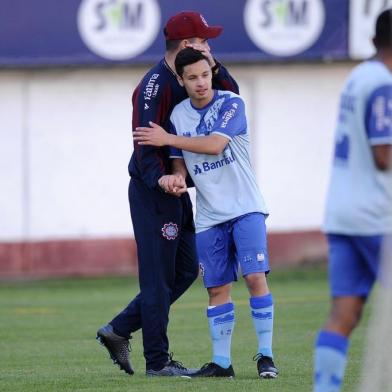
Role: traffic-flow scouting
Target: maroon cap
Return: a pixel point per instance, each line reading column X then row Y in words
column 189, row 24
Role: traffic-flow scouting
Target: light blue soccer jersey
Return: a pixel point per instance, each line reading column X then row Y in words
column 226, row 187
column 359, row 200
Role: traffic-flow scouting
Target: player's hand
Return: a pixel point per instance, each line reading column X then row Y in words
column 205, row 50
column 151, row 136
column 168, row 182
column 174, row 184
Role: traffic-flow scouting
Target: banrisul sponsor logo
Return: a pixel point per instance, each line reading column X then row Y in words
column 118, row 29
column 284, row 27
column 207, row 166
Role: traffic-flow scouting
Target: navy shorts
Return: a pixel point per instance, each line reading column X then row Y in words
column 354, row 263
column 239, row 242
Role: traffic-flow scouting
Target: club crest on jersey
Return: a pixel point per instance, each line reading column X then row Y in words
column 170, row 231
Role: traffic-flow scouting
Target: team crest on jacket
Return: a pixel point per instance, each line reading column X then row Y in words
column 170, row 231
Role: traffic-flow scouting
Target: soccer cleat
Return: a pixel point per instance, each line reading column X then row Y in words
column 172, row 368
column 265, row 366
column 211, row 369
column 118, row 347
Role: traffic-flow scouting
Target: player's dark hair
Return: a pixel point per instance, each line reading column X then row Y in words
column 383, row 35
column 186, row 57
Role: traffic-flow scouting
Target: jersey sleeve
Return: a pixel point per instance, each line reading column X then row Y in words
column 150, row 103
column 222, row 80
column 379, row 116
column 174, row 152
column 232, row 119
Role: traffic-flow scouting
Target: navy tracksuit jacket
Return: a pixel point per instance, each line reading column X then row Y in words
column 163, row 224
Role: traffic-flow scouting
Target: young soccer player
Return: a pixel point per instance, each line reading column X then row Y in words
column 211, row 130
column 359, row 203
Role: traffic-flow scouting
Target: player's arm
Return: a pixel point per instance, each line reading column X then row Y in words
column 178, row 164
column 231, row 122
column 179, row 168
column 157, row 136
column 379, row 126
column 145, row 109
column 382, row 156
column 211, row 144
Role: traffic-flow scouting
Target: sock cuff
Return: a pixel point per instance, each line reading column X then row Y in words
column 220, row 309
column 261, row 302
column 332, row 340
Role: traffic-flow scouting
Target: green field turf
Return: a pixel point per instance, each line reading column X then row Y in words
column 47, row 332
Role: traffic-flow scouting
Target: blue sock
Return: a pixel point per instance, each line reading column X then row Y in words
column 263, row 321
column 221, row 323
column 330, row 359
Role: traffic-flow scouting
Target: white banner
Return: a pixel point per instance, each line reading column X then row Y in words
column 363, row 14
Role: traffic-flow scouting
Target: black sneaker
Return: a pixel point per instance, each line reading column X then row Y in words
column 118, row 347
column 172, row 368
column 265, row 366
column 211, row 369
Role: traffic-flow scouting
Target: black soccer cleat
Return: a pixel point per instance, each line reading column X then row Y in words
column 211, row 369
column 117, row 346
column 265, row 366
column 172, row 368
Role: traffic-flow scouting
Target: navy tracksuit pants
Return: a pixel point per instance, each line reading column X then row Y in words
column 165, row 237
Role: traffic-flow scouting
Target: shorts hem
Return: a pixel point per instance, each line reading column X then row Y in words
column 219, row 283
column 350, row 294
column 267, row 271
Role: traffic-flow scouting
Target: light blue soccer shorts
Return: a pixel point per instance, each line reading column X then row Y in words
column 222, row 248
column 354, row 263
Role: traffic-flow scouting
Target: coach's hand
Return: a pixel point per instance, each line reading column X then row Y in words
column 154, row 135
column 205, row 50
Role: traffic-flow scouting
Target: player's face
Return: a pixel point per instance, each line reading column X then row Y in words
column 197, row 80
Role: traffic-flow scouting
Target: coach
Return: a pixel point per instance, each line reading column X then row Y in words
column 163, row 223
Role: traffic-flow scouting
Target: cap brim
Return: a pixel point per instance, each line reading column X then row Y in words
column 212, row 32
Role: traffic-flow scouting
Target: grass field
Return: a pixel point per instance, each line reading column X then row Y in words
column 47, row 332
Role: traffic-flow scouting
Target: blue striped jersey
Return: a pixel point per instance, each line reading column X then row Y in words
column 225, row 184
column 359, row 200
